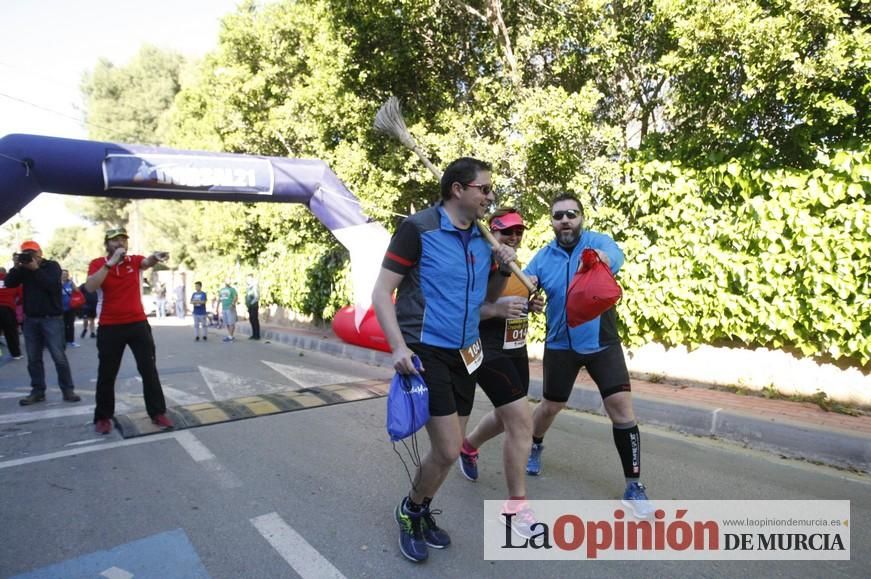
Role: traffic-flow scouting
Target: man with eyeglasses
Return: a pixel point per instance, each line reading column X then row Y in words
column 116, row 279
column 443, row 270
column 593, row 345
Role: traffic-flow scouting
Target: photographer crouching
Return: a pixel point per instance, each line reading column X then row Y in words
column 43, row 321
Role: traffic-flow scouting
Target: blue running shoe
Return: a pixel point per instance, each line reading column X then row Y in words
column 636, row 499
column 533, row 465
column 435, row 536
column 411, row 541
column 469, row 465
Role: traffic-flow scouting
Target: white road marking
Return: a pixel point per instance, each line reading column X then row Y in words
column 182, row 398
column 714, row 420
column 44, row 414
column 193, row 446
column 299, row 554
column 202, row 455
column 309, row 377
column 25, row 433
column 225, row 385
column 87, row 449
column 116, row 573
column 84, row 442
column 13, row 394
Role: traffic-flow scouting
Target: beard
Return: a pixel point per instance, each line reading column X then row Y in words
column 568, row 237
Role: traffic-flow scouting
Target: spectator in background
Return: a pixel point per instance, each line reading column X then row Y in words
column 198, row 300
column 89, row 312
column 228, row 297
column 67, row 289
column 43, row 322
column 9, row 300
column 179, row 301
column 161, row 300
column 252, row 301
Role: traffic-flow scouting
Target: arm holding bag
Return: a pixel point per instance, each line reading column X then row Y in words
column 592, row 292
column 407, row 404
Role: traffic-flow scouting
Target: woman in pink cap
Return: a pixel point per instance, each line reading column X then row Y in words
column 504, row 377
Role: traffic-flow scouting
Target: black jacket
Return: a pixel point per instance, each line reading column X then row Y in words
column 42, row 289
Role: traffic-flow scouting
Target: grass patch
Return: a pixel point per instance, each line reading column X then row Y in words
column 821, row 399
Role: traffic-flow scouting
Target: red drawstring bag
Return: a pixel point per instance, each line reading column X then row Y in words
column 593, row 290
column 77, row 299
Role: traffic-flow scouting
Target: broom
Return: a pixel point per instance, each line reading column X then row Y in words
column 389, row 121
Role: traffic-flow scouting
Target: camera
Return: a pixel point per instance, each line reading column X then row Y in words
column 22, row 258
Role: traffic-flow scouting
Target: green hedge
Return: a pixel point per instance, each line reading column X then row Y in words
column 727, row 254
column 760, row 258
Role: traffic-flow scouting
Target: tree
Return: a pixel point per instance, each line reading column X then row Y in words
column 131, row 103
column 128, row 104
column 74, row 247
column 778, row 80
column 13, row 233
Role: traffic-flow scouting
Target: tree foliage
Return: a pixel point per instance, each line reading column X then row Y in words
column 698, row 132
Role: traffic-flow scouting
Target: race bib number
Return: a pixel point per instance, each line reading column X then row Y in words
column 473, row 356
column 515, row 333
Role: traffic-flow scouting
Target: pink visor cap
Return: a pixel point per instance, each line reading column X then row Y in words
column 507, row 221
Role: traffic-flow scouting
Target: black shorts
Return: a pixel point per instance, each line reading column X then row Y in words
column 451, row 387
column 504, row 378
column 607, row 369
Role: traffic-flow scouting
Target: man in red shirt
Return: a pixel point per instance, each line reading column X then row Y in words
column 9, row 299
column 116, row 279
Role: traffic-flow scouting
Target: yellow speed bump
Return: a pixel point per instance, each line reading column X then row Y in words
column 204, row 413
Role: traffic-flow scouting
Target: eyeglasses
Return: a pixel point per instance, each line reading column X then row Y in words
column 570, row 213
column 485, row 189
column 511, row 231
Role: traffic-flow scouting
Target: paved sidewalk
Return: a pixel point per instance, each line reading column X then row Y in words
column 793, row 429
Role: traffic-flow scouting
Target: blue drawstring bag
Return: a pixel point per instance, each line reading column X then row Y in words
column 407, row 404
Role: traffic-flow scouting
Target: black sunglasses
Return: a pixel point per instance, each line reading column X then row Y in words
column 570, row 213
column 485, row 189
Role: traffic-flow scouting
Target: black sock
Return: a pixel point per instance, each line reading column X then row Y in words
column 627, row 438
column 537, row 439
column 413, row 506
column 425, row 504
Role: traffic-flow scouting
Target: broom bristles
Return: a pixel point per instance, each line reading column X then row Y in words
column 389, row 121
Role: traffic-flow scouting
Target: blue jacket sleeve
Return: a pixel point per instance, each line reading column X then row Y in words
column 533, row 266
column 611, row 249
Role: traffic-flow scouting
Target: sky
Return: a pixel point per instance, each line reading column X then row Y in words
column 47, row 45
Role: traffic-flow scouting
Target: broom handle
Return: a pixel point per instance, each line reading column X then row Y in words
column 427, row 163
column 485, row 231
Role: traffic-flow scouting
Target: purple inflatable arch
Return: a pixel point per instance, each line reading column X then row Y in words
column 31, row 164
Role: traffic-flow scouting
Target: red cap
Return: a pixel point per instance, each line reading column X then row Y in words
column 506, row 222
column 30, row 246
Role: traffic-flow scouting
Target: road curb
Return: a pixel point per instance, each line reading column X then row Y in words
column 777, row 435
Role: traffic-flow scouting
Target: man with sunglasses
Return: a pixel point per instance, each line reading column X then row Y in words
column 116, row 279
column 441, row 266
column 593, row 345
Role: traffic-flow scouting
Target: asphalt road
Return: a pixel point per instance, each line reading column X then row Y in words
column 311, row 492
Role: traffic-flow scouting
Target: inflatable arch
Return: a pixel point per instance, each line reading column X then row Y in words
column 31, row 164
